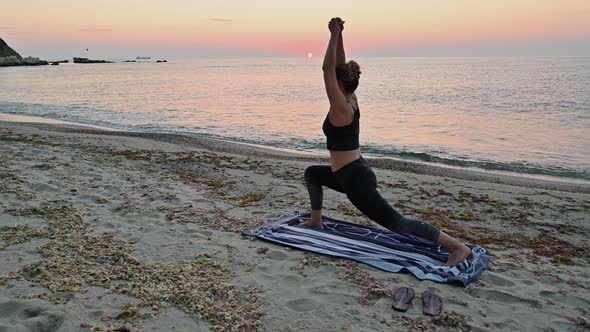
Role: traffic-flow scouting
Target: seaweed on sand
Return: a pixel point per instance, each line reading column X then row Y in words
column 19, row 234
column 76, row 258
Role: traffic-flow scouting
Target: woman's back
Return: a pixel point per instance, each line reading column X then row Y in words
column 342, row 136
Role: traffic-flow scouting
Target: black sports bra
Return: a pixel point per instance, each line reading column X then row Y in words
column 343, row 138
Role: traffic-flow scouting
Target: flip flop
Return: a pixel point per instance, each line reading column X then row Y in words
column 402, row 298
column 431, row 303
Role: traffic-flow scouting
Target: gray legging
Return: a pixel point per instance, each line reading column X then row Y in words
column 359, row 183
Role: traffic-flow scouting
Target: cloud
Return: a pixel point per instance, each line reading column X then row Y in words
column 219, row 20
column 95, row 30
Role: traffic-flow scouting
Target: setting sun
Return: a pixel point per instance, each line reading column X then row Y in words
column 309, row 55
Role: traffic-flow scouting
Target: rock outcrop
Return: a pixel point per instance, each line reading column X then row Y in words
column 13, row 60
column 86, row 60
column 9, row 57
column 6, row 50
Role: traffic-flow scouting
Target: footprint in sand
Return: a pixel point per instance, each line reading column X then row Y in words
column 333, row 298
column 277, row 255
column 292, row 280
column 43, row 187
column 498, row 296
column 96, row 314
column 203, row 232
column 32, row 312
column 88, row 198
column 497, row 279
column 28, row 318
column 528, row 282
column 572, row 300
column 198, row 234
column 302, row 305
column 43, row 321
column 108, row 225
column 202, row 200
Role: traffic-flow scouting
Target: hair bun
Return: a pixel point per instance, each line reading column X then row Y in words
column 354, row 68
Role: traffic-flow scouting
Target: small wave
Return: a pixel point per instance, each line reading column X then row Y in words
column 465, row 162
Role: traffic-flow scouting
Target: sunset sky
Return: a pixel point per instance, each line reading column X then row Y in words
column 196, row 28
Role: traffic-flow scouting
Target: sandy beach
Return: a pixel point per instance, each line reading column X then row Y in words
column 105, row 230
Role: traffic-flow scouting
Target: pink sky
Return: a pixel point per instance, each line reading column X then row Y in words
column 186, row 28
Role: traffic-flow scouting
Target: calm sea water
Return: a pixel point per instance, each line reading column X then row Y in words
column 528, row 115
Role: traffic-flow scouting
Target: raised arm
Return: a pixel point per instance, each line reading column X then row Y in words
column 337, row 99
column 330, row 56
column 340, row 56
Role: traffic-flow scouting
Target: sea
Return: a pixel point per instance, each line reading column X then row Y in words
column 528, row 116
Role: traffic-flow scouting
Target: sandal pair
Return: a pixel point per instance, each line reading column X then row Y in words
column 431, row 303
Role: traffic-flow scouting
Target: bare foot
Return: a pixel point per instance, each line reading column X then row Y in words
column 313, row 224
column 458, row 255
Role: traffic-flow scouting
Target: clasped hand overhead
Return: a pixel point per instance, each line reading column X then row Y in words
column 336, row 25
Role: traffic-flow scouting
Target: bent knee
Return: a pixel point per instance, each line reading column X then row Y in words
column 310, row 173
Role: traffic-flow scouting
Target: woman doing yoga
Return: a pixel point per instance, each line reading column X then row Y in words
column 349, row 172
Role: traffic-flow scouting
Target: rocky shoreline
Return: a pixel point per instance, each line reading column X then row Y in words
column 9, row 57
column 10, row 61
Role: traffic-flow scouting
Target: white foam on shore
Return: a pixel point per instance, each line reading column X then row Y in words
column 36, row 119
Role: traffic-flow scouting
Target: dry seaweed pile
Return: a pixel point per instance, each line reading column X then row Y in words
column 51, row 298
column 18, row 234
column 18, row 139
column 447, row 321
column 184, row 161
column 412, row 324
column 451, row 321
column 75, row 258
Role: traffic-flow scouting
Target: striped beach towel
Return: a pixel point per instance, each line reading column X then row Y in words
column 381, row 248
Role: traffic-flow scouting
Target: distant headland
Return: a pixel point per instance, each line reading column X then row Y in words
column 10, row 57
